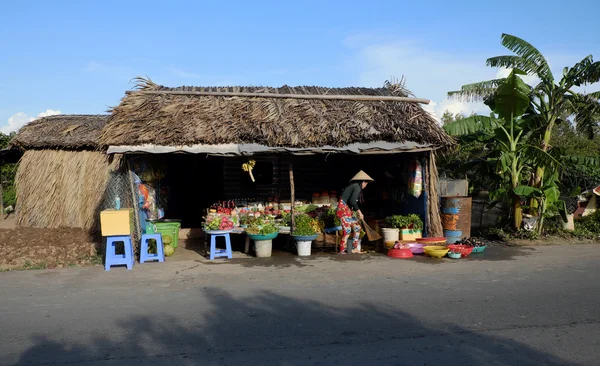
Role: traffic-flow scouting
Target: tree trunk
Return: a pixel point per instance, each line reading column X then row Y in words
column 539, row 171
column 517, row 212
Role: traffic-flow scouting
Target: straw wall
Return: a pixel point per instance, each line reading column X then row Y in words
column 61, row 188
column 434, row 224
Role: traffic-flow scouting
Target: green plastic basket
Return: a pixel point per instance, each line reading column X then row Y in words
column 168, row 230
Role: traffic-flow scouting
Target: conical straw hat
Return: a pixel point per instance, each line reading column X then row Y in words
column 362, row 176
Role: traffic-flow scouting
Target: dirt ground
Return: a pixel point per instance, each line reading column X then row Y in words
column 552, row 240
column 27, row 248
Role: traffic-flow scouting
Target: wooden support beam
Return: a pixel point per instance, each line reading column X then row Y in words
column 361, row 98
column 293, row 197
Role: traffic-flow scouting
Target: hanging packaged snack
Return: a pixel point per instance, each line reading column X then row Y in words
column 415, row 180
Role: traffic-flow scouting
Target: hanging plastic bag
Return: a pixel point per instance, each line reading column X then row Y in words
column 415, row 180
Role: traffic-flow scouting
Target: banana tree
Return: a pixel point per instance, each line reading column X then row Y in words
column 550, row 99
column 510, row 155
column 587, row 115
column 546, row 196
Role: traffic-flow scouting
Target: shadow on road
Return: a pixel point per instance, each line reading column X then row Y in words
column 268, row 328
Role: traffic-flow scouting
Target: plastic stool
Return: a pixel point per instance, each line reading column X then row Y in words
column 113, row 259
column 144, row 255
column 216, row 253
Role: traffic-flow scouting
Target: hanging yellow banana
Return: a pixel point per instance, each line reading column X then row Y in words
column 247, row 167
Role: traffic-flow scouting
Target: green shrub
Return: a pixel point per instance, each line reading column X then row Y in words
column 588, row 226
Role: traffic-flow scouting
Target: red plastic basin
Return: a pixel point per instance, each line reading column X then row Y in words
column 465, row 250
column 400, row 253
column 431, row 240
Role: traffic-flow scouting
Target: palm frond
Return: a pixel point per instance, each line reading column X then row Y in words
column 540, row 157
column 476, row 91
column 514, row 62
column 587, row 113
column 529, row 52
column 582, row 160
column 581, row 73
column 472, row 125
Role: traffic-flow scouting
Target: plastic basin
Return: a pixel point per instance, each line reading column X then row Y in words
column 479, row 249
column 263, row 237
column 305, row 238
column 416, row 248
column 465, row 250
column 430, row 241
column 436, row 251
column 400, row 253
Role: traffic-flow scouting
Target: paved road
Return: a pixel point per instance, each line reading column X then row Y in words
column 510, row 306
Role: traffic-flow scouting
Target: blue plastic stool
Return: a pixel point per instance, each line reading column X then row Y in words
column 216, row 253
column 113, row 259
column 160, row 253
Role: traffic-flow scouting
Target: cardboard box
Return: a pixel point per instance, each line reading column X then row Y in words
column 116, row 223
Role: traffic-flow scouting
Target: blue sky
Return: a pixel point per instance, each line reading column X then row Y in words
column 79, row 56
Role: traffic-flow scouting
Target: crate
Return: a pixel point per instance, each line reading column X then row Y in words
column 327, row 240
column 408, row 234
column 116, row 222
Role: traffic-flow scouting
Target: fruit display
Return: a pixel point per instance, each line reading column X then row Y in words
column 223, row 208
column 214, row 223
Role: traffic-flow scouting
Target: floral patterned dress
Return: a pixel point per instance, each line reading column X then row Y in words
column 349, row 224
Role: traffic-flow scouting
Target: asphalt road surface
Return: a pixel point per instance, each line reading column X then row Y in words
column 508, row 306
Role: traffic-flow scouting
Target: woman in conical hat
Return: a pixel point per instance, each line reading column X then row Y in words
column 349, row 203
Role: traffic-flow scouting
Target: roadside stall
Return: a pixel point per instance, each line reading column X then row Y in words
column 271, row 162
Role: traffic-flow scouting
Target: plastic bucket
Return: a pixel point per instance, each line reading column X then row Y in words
column 168, row 230
column 263, row 248
column 390, row 235
column 303, row 248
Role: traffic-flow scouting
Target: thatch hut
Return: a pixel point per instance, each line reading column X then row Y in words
column 62, row 176
column 326, row 133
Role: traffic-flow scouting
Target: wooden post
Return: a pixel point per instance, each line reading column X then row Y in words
column 293, row 197
column 376, row 98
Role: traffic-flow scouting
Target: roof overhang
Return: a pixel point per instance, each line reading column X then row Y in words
column 378, row 147
column 10, row 155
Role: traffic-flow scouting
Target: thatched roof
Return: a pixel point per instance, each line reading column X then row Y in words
column 63, row 131
column 183, row 119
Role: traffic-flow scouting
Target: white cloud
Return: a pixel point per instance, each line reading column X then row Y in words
column 376, row 57
column 48, row 112
column 428, row 73
column 19, row 119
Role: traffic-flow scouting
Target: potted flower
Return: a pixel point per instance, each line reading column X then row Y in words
column 304, row 233
column 263, row 235
column 410, row 227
